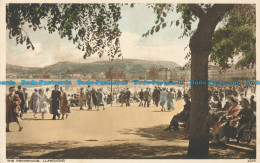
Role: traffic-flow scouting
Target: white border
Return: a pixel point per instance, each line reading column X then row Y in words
column 3, row 71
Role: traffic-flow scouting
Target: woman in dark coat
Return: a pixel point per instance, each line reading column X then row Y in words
column 94, row 97
column 100, row 99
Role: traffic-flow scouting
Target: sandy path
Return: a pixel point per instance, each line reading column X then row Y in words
column 115, row 125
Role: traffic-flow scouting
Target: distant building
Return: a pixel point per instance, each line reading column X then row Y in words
column 114, row 75
column 9, row 75
column 97, row 76
column 46, row 75
column 158, row 72
column 87, row 76
column 232, row 74
column 153, row 72
column 62, row 76
column 36, row 76
column 135, row 75
column 53, row 76
column 75, row 75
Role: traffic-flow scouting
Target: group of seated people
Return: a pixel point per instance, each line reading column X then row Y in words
column 229, row 120
column 235, row 118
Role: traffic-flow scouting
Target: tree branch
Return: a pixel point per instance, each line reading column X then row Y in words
column 218, row 10
column 196, row 10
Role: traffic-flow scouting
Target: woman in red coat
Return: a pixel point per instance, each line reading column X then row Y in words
column 230, row 125
column 63, row 103
column 227, row 124
column 12, row 103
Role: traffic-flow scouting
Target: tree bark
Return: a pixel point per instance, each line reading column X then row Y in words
column 199, row 130
column 200, row 46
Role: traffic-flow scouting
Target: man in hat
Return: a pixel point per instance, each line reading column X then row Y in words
column 25, row 95
column 252, row 103
column 141, row 96
column 181, row 117
column 56, row 97
column 147, row 97
column 89, row 100
column 156, row 96
column 127, row 97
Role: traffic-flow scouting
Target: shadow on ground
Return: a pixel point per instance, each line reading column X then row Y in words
column 18, row 150
column 65, row 150
column 157, row 133
column 121, row 151
column 221, row 152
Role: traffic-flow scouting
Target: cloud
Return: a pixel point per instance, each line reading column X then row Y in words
column 163, row 51
column 133, row 46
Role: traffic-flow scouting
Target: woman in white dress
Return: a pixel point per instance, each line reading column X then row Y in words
column 43, row 102
column 163, row 98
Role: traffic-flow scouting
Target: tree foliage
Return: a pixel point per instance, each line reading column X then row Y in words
column 162, row 10
column 236, row 36
column 93, row 28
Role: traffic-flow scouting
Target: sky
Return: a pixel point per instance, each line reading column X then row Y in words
column 161, row 46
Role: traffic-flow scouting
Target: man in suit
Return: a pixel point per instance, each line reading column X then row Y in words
column 147, row 97
column 156, row 96
column 141, row 96
column 56, row 97
column 127, row 97
column 26, row 105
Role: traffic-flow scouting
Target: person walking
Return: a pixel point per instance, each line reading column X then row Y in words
column 12, row 103
column 81, row 98
column 89, row 99
column 20, row 94
column 156, row 96
column 100, row 98
column 43, row 102
column 141, row 96
column 64, row 103
column 146, row 97
column 170, row 97
column 35, row 102
column 26, row 104
column 163, row 98
column 56, row 97
column 127, row 97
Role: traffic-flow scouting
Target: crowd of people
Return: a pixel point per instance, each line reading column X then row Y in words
column 94, row 98
column 229, row 108
column 40, row 102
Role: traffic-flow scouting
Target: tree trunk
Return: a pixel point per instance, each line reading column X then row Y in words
column 199, row 130
column 200, row 45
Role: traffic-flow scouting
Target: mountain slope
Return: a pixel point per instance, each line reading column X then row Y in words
column 126, row 65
